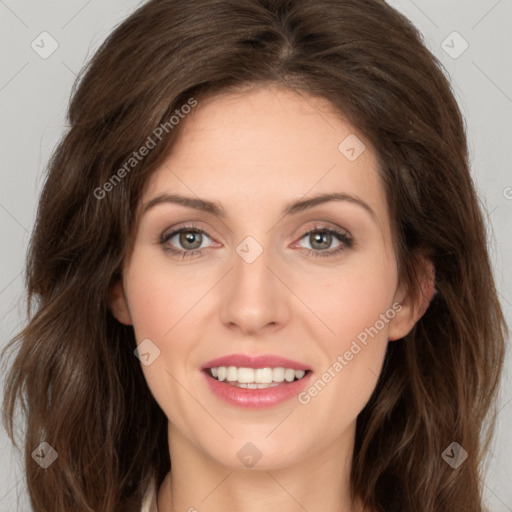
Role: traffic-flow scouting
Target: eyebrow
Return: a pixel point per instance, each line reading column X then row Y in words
column 218, row 211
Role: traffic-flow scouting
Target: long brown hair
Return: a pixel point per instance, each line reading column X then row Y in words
column 81, row 387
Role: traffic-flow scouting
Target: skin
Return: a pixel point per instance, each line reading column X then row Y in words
column 253, row 153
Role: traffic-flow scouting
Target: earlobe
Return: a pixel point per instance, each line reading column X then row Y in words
column 118, row 305
column 413, row 306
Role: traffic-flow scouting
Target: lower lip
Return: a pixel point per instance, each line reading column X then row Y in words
column 256, row 398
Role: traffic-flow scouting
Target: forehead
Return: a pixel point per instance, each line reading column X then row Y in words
column 266, row 147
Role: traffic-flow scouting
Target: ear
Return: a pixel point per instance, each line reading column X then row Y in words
column 118, row 304
column 413, row 305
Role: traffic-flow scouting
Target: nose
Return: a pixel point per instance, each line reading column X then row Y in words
column 256, row 300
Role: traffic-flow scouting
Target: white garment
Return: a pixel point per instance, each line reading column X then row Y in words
column 149, row 503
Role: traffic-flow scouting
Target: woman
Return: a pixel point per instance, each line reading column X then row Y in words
column 249, row 371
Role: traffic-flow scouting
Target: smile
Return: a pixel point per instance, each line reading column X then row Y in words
column 255, row 378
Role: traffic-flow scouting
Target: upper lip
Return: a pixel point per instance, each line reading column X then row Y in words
column 248, row 361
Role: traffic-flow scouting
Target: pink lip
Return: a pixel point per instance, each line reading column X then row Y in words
column 256, row 398
column 246, row 361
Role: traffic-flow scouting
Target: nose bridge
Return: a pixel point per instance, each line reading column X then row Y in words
column 255, row 297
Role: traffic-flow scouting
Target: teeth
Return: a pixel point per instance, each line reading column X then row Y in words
column 231, row 374
column 289, row 375
column 259, row 386
column 278, row 374
column 256, row 378
column 242, row 375
column 263, row 375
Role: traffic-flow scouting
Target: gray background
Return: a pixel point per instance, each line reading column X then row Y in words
column 34, row 92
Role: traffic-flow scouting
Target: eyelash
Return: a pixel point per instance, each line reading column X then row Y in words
column 347, row 242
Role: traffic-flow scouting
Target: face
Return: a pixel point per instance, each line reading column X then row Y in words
column 315, row 283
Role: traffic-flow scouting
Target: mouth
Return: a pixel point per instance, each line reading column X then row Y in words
column 255, row 381
column 255, row 378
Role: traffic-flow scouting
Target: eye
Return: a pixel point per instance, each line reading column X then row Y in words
column 190, row 238
column 321, row 238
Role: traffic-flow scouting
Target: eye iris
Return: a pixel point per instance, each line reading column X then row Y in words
column 188, row 237
column 326, row 237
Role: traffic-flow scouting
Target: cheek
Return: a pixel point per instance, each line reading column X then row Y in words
column 158, row 299
column 353, row 298
column 161, row 306
column 357, row 308
column 350, row 370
